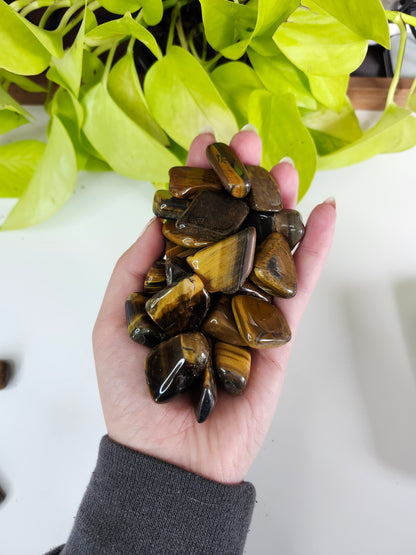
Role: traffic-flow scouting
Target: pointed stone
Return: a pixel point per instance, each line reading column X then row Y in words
column 176, row 269
column 166, row 206
column 264, row 193
column 220, row 324
column 205, row 393
column 232, row 366
column 260, row 323
column 225, row 265
column 289, row 223
column 180, row 307
column 212, row 216
column 182, row 238
column 155, row 279
column 140, row 326
column 174, row 365
column 274, row 268
column 177, row 251
column 229, row 168
column 185, row 181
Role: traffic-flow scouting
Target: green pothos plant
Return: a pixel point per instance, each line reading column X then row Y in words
column 131, row 82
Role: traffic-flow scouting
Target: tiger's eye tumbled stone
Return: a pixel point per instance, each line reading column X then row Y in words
column 176, row 269
column 263, row 222
column 289, row 223
column 172, row 366
column 220, row 324
column 274, row 268
column 180, row 307
column 185, row 181
column 232, row 366
column 206, row 393
column 172, row 250
column 229, row 168
column 250, row 288
column 166, row 206
column 212, row 216
column 264, row 194
column 171, row 232
column 260, row 323
column 140, row 326
column 155, row 279
column 225, row 265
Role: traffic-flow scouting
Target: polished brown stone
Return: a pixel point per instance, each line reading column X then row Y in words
column 260, row 323
column 250, row 288
column 289, row 223
column 176, row 269
column 155, row 279
column 172, row 250
column 180, row 307
column 263, row 222
column 212, row 216
column 174, row 365
column 232, row 366
column 205, row 393
column 185, row 181
column 264, row 193
column 5, row 373
column 225, row 265
column 274, row 268
column 166, row 206
column 220, row 324
column 182, row 238
column 229, row 168
column 140, row 326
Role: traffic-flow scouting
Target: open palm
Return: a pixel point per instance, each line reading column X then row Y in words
column 223, row 447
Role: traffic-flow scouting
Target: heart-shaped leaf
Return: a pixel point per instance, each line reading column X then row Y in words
column 18, row 162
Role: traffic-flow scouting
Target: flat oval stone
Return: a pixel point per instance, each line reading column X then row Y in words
column 155, row 279
column 260, row 323
column 212, row 216
column 250, row 288
column 174, row 365
column 172, row 250
column 232, row 366
column 229, row 168
column 166, row 206
column 205, row 393
column 220, row 324
column 289, row 223
column 225, row 265
column 185, row 181
column 140, row 326
column 274, row 268
column 180, row 307
column 171, row 232
column 176, row 269
column 264, row 193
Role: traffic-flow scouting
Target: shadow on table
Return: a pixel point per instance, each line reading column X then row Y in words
column 382, row 322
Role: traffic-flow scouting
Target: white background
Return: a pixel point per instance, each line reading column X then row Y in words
column 337, row 473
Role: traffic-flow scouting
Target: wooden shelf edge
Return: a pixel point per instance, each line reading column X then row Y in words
column 370, row 93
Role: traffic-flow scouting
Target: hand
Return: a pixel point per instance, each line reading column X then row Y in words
column 223, row 447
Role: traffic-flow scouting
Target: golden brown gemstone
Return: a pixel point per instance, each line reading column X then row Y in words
column 185, row 181
column 172, row 250
column 232, row 366
column 220, row 323
column 264, row 194
column 180, row 307
column 206, row 393
column 225, row 265
column 155, row 279
column 212, row 216
column 263, row 222
column 172, row 366
column 260, row 323
column 140, row 326
column 274, row 268
column 289, row 223
column 5, row 373
column 185, row 239
column 166, row 206
column 176, row 269
column 229, row 168
column 250, row 288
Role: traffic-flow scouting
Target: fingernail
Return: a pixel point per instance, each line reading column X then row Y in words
column 207, row 129
column 249, row 127
column 149, row 223
column 331, row 201
column 287, row 160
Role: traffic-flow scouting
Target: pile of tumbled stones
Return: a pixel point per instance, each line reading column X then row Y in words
column 229, row 244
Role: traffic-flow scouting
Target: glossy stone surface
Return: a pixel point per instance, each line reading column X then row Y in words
column 220, row 324
column 289, row 223
column 172, row 250
column 264, row 194
column 176, row 269
column 232, row 366
column 225, row 265
column 155, row 279
column 5, row 372
column 166, row 206
column 212, row 216
column 183, row 238
column 229, row 168
column 180, row 307
column 205, row 393
column 274, row 268
column 250, row 288
column 140, row 326
column 185, row 181
column 260, row 323
column 174, row 365
column 263, row 222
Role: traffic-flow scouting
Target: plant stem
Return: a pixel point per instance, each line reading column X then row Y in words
column 68, row 14
column 181, row 34
column 29, row 8
column 109, row 61
column 400, row 55
column 410, row 19
column 173, row 18
column 92, row 6
column 19, row 4
column 50, row 9
column 411, row 91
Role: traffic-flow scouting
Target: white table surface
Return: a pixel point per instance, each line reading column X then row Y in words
column 337, row 473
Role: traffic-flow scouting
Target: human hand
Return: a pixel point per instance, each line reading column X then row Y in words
column 224, row 447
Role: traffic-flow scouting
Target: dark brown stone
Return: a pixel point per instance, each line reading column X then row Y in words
column 220, row 324
column 250, row 288
column 140, row 326
column 263, row 222
column 229, row 168
column 264, row 193
column 182, row 238
column 155, row 279
column 289, row 223
column 205, row 393
column 232, row 366
column 185, row 181
column 166, row 206
column 177, row 251
column 176, row 269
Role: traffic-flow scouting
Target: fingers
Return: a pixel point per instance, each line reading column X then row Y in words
column 247, row 146
column 196, row 155
column 288, row 180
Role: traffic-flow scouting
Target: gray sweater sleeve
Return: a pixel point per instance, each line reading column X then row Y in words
column 137, row 504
